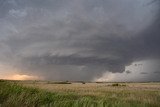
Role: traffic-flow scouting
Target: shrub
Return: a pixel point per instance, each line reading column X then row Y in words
column 83, row 82
column 115, row 84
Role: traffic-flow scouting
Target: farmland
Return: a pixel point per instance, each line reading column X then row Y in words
column 78, row 94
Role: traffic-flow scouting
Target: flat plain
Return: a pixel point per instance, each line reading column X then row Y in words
column 79, row 94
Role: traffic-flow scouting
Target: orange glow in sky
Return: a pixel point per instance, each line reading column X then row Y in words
column 11, row 73
column 22, row 77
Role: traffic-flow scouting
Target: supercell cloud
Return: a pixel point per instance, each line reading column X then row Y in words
column 78, row 39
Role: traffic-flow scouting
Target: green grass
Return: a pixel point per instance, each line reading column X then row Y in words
column 15, row 95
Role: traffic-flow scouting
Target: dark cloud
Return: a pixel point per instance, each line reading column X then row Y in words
column 156, row 72
column 77, row 40
column 143, row 73
column 128, row 71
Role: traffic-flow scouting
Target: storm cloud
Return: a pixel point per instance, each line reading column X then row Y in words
column 77, row 39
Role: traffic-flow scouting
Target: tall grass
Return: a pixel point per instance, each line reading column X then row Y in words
column 15, row 95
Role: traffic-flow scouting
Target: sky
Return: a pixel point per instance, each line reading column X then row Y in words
column 90, row 40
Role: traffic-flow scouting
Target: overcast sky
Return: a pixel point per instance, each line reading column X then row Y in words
column 110, row 40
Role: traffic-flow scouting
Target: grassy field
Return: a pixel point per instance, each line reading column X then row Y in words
column 67, row 94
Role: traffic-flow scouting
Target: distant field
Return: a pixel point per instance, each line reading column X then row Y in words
column 69, row 94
